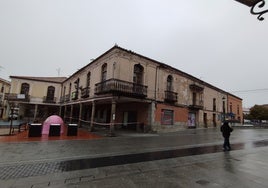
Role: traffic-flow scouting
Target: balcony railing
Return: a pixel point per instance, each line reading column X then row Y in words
column 196, row 105
column 62, row 99
column 119, row 87
column 17, row 97
column 67, row 98
column 171, row 96
column 47, row 99
column 85, row 92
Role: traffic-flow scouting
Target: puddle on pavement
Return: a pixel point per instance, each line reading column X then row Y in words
column 142, row 157
column 26, row 170
column 260, row 143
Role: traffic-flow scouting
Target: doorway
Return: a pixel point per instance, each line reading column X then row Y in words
column 130, row 120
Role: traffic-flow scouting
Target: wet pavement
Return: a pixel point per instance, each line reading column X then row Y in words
column 189, row 158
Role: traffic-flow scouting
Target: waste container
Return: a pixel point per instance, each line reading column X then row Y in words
column 72, row 130
column 35, row 130
column 54, row 130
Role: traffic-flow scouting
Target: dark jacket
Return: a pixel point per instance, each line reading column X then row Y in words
column 226, row 129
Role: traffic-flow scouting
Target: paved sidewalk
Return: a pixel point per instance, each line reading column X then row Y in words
column 190, row 158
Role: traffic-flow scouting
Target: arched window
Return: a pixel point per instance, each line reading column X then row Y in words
column 25, row 88
column 169, row 83
column 50, row 93
column 138, row 74
column 103, row 72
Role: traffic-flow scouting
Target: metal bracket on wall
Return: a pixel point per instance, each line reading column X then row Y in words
column 257, row 7
column 260, row 5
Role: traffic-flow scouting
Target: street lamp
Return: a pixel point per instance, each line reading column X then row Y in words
column 253, row 4
column 223, row 108
column 11, row 118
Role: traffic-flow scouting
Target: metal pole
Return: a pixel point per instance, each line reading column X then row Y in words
column 111, row 132
column 91, row 128
column 11, row 122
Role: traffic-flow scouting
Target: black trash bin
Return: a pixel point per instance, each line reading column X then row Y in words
column 35, row 130
column 72, row 130
column 54, row 130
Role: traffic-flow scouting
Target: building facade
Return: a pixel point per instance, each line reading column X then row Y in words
column 123, row 89
column 4, row 88
column 36, row 97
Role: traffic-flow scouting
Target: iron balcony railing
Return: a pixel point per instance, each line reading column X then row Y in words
column 48, row 99
column 119, row 87
column 171, row 96
column 17, row 97
column 67, row 98
column 197, row 105
column 85, row 92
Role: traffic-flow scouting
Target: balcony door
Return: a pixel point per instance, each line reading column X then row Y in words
column 138, row 79
column 138, row 74
column 169, row 83
column 25, row 89
column 194, row 99
column 50, row 93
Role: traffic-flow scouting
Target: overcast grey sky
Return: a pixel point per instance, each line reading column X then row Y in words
column 218, row 41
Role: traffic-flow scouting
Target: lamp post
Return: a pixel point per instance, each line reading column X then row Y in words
column 223, row 108
column 256, row 7
column 11, row 118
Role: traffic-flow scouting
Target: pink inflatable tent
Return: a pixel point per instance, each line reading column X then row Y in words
column 54, row 119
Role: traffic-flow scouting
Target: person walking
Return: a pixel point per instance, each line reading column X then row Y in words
column 226, row 132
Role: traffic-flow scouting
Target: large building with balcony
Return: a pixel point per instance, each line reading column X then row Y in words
column 123, row 89
column 36, row 97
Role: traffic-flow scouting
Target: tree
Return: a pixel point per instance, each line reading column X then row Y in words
column 258, row 112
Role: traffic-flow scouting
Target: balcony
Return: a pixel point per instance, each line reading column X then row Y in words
column 48, row 99
column 17, row 97
column 67, row 98
column 196, row 105
column 85, row 92
column 171, row 96
column 122, row 88
column 196, row 88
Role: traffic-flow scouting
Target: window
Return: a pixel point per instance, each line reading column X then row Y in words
column 70, row 88
column 214, row 104
column 138, row 74
column 76, row 84
column 167, row 117
column 88, row 79
column 223, row 106
column 169, row 83
column 104, row 72
column 231, row 107
column 25, row 88
column 2, row 89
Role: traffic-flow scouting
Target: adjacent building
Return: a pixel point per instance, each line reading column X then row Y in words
column 123, row 89
column 4, row 88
